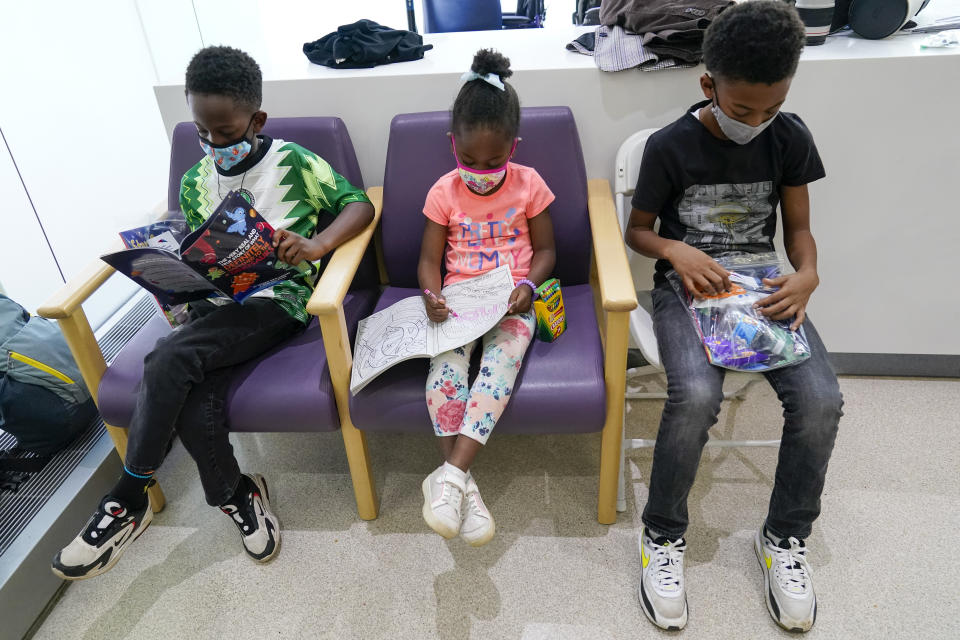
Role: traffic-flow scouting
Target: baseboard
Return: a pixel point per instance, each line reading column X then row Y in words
column 897, row 364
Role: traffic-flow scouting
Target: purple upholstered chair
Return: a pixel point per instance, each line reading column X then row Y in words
column 294, row 377
column 569, row 386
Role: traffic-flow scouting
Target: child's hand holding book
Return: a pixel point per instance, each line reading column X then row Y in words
column 293, row 248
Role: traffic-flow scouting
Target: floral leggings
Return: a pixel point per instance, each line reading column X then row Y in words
column 456, row 409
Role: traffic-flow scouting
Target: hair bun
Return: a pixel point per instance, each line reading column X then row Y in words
column 490, row 61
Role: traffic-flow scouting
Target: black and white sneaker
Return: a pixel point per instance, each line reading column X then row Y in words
column 258, row 525
column 102, row 541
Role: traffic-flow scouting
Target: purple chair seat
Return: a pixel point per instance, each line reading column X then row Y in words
column 395, row 401
column 293, row 377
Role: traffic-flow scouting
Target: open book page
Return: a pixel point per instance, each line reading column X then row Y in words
column 161, row 273
column 233, row 250
column 402, row 331
column 479, row 304
column 230, row 253
column 387, row 337
column 163, row 234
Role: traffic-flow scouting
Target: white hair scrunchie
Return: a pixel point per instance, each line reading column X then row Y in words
column 490, row 78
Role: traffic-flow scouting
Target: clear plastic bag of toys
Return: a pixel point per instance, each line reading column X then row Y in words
column 734, row 334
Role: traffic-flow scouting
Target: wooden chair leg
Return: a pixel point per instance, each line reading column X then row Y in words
column 157, row 500
column 339, row 359
column 611, row 440
column 361, row 474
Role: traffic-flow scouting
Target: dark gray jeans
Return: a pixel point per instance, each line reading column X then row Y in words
column 185, row 382
column 811, row 409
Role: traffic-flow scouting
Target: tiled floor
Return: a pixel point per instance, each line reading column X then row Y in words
column 884, row 549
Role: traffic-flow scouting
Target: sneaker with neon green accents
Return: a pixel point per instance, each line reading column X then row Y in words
column 662, row 594
column 787, row 581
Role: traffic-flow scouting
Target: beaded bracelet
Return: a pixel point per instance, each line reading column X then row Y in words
column 533, row 287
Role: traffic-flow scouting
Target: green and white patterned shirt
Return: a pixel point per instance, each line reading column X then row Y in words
column 288, row 185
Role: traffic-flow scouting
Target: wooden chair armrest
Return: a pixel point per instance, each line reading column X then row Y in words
column 616, row 284
column 75, row 292
column 339, row 272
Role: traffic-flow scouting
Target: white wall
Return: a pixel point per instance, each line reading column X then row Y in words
column 81, row 121
column 27, row 268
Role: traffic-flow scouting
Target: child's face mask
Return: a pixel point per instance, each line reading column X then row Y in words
column 482, row 182
column 739, row 132
column 228, row 155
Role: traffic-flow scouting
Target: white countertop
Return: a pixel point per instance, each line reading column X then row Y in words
column 276, row 43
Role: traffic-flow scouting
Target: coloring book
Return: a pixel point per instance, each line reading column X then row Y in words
column 230, row 254
column 402, row 331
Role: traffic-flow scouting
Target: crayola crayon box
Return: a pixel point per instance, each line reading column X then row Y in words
column 551, row 319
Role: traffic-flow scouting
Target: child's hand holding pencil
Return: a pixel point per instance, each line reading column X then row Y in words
column 437, row 309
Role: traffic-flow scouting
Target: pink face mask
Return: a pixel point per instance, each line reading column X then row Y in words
column 482, row 182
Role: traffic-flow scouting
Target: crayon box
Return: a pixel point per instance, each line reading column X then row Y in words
column 551, row 319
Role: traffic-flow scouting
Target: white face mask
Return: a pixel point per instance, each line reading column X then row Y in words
column 739, row 132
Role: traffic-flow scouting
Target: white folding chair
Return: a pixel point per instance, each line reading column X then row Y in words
column 641, row 319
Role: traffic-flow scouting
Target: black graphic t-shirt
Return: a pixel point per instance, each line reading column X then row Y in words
column 717, row 195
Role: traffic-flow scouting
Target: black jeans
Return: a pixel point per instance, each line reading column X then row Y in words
column 185, row 382
column 811, row 409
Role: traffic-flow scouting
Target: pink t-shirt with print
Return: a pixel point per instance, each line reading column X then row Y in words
column 485, row 232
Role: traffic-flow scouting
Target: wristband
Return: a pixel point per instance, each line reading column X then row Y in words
column 533, row 287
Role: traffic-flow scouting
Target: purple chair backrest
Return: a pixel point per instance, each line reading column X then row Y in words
column 326, row 137
column 418, row 153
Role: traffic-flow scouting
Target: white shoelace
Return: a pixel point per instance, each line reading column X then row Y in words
column 474, row 503
column 451, row 495
column 668, row 566
column 792, row 571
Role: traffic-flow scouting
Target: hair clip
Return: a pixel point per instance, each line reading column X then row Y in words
column 490, row 78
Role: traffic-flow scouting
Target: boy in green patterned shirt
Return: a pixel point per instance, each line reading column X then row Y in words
column 187, row 375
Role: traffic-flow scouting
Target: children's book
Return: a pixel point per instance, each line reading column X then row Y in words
column 403, row 331
column 163, row 234
column 231, row 255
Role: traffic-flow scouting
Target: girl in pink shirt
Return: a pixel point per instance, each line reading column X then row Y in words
column 486, row 213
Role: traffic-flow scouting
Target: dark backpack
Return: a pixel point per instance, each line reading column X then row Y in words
column 365, row 44
column 43, row 400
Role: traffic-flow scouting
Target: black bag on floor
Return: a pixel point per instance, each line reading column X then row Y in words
column 43, row 400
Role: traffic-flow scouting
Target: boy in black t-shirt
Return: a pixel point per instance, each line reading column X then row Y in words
column 714, row 178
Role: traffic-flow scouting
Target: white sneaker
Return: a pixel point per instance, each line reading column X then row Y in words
column 662, row 595
column 101, row 542
column 787, row 581
column 442, row 497
column 258, row 525
column 478, row 526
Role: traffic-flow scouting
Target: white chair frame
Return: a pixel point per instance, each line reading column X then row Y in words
column 641, row 319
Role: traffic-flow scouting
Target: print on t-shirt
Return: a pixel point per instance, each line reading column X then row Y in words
column 488, row 244
column 728, row 216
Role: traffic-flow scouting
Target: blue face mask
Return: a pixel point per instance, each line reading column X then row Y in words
column 228, row 155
